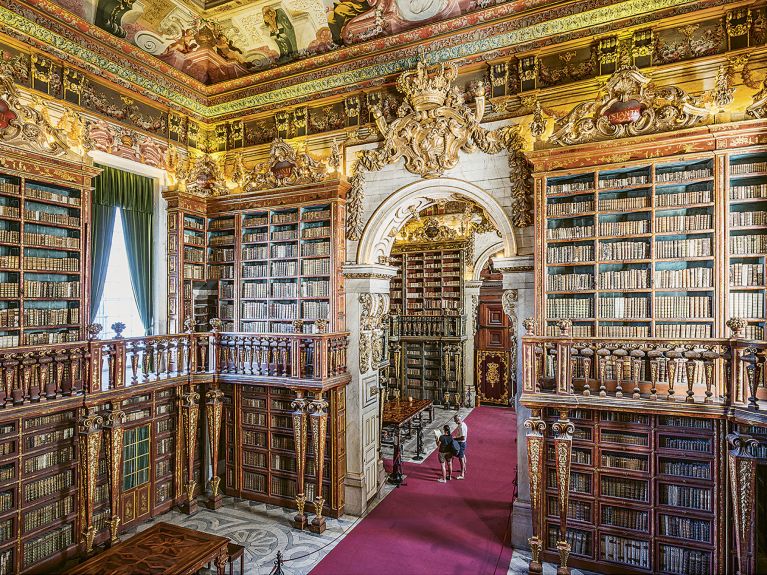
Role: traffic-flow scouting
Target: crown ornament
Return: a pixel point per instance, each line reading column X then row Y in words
column 426, row 91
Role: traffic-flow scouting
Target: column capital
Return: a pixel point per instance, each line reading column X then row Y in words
column 368, row 278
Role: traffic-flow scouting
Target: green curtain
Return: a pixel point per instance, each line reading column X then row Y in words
column 133, row 195
column 102, row 226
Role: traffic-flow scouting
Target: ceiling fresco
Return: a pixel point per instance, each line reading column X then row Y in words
column 243, row 37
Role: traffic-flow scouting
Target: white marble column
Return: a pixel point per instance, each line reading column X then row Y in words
column 470, row 304
column 518, row 275
column 367, row 305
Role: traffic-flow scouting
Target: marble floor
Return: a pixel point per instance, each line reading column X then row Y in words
column 520, row 560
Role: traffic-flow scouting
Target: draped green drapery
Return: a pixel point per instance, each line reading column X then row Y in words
column 133, row 195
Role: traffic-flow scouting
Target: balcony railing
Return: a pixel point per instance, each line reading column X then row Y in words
column 427, row 326
column 714, row 372
column 48, row 372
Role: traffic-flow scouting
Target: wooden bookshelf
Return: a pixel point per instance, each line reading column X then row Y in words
column 429, row 280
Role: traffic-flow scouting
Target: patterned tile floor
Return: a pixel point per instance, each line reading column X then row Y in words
column 521, row 559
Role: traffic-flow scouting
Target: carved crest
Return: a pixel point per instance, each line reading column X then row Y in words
column 433, row 125
column 29, row 127
column 628, row 106
column 204, row 177
column 285, row 167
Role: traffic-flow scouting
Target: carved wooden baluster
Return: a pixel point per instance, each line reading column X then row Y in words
column 618, row 369
column 654, row 373
column 58, row 371
column 671, row 371
column 708, row 374
column 157, row 354
column 689, row 367
column 248, row 356
column 76, row 371
column 203, row 365
column 636, row 368
column 26, row 377
column 179, row 361
column 273, row 356
column 134, row 361
column 6, row 395
column 46, row 385
column 34, row 387
column 11, row 376
column 587, row 354
column 284, row 357
column 145, row 361
column 602, row 358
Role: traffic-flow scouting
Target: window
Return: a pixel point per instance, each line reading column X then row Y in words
column 136, row 457
column 118, row 302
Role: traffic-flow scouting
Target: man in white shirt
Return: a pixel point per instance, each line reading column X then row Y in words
column 461, row 433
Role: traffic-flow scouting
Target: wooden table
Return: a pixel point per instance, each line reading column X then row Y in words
column 163, row 549
column 397, row 415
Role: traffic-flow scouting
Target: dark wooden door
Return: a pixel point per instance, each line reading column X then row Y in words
column 492, row 348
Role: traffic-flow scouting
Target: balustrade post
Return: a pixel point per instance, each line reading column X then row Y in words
column 737, row 375
column 529, row 363
column 299, row 416
column 536, row 428
column 742, row 479
column 114, row 438
column 95, row 358
column 118, row 372
column 190, row 412
column 213, row 411
column 89, row 439
column 563, row 374
column 318, row 417
column 563, row 430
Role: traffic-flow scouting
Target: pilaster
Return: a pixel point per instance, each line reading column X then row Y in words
column 113, row 425
column 213, row 413
column 190, row 413
column 471, row 307
column 89, row 437
column 367, row 306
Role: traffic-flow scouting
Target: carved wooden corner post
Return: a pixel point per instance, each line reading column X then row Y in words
column 535, row 454
column 114, row 443
column 95, row 362
column 214, row 408
column 190, row 413
column 299, row 406
column 563, row 447
column 318, row 416
column 742, row 476
column 89, row 438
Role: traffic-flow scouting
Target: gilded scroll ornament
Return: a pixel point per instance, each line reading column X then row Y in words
column 628, row 106
column 288, row 167
column 203, row 176
column 433, row 125
column 758, row 109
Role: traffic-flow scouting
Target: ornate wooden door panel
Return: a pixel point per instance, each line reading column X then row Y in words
column 492, row 348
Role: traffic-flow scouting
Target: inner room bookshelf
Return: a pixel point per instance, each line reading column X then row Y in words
column 43, row 254
column 669, row 248
column 259, row 261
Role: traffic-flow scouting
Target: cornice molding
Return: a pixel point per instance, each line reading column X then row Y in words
column 585, row 20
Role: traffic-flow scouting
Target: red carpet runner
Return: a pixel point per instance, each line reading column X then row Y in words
column 426, row 527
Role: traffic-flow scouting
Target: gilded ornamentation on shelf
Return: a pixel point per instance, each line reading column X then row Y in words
column 213, row 409
column 629, row 106
column 285, row 167
column 433, row 125
column 724, row 91
column 536, row 427
column 203, row 177
column 299, row 405
column 318, row 418
column 89, row 432
column 563, row 430
column 742, row 480
column 15, row 66
column 190, row 411
column 531, row 326
column 113, row 425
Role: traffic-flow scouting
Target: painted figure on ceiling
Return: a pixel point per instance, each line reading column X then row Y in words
column 282, row 32
column 341, row 12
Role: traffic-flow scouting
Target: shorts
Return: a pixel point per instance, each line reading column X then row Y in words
column 462, row 450
column 445, row 456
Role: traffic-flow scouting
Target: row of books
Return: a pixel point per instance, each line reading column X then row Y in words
column 566, row 282
column 48, row 437
column 315, row 232
column 315, row 267
column 282, row 311
column 623, row 307
column 9, row 317
column 284, row 268
column 624, row 228
column 624, row 517
column 10, row 187
column 569, row 308
column 48, row 544
column 623, row 461
column 51, row 218
column 255, row 271
column 685, row 496
column 285, row 218
column 6, row 530
column 568, row 187
column 283, row 235
column 634, row 552
column 748, row 168
column 49, row 459
column 681, row 468
column 685, row 527
column 576, row 510
column 632, row 278
column 315, row 215
column 683, row 306
column 217, row 272
column 255, row 221
column 9, row 211
column 315, row 309
column 221, row 255
column 284, row 290
column 48, row 513
column 194, row 255
column 569, row 208
column 37, row 317
column 687, row 248
column 621, row 204
column 11, row 262
column 315, row 249
column 49, row 484
column 624, row 438
column 221, row 223
column 315, row 288
column 683, row 331
column 194, row 272
column 685, row 278
column 193, row 223
column 577, row 330
column 53, row 264
column 748, row 218
column 743, row 275
column 255, row 290
column 751, row 244
column 633, row 489
column 33, row 191
column 50, row 241
column 747, row 305
column 684, row 561
column 681, row 176
column 683, row 224
column 622, row 182
column 221, row 240
column 681, row 199
column 624, row 250
column 569, row 254
column 262, row 253
column 748, row 192
column 607, row 330
column 194, row 240
column 9, row 236
column 9, row 289
column 697, row 444
column 570, row 233
column 580, row 541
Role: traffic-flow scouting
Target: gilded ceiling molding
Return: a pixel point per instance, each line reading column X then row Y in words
column 583, row 20
column 286, row 166
column 629, row 105
column 29, row 127
column 433, row 125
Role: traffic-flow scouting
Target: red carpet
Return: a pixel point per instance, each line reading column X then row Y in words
column 426, row 527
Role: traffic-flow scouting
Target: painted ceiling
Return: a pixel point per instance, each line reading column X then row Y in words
column 241, row 37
